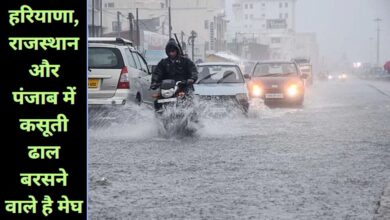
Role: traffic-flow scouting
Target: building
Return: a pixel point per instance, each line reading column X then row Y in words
column 116, row 14
column 260, row 16
column 306, row 47
column 265, row 22
column 120, row 16
column 95, row 25
column 205, row 17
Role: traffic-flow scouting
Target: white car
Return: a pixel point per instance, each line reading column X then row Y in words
column 222, row 82
column 117, row 73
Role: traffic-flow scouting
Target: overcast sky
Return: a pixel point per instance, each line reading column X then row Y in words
column 345, row 27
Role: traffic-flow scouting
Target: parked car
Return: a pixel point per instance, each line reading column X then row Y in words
column 222, row 82
column 117, row 73
column 277, row 82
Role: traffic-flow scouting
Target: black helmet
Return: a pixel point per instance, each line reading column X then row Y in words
column 171, row 45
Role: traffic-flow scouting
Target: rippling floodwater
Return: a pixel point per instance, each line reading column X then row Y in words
column 327, row 160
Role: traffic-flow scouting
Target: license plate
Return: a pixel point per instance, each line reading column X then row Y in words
column 167, row 100
column 274, row 96
column 93, row 83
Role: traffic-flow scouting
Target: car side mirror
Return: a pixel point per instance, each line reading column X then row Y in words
column 247, row 76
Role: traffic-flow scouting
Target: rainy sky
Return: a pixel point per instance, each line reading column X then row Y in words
column 344, row 27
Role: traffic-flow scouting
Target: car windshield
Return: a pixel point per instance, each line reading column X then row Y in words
column 275, row 69
column 154, row 56
column 104, row 58
column 219, row 74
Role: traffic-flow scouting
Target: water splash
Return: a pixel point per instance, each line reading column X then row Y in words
column 213, row 119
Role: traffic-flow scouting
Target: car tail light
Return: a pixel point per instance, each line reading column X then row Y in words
column 124, row 82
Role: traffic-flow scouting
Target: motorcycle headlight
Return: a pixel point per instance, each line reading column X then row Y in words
column 292, row 90
column 181, row 94
column 257, row 91
column 167, row 93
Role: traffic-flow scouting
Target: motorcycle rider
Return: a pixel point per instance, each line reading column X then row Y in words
column 175, row 66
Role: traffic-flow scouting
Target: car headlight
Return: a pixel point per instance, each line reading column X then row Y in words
column 241, row 97
column 257, row 91
column 330, row 77
column 344, row 76
column 167, row 93
column 292, row 90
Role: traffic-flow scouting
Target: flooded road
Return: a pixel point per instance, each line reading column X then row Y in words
column 327, row 160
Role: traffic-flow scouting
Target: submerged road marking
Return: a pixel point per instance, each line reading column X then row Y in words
column 379, row 90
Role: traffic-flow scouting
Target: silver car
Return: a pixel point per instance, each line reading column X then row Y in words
column 222, row 83
column 117, row 73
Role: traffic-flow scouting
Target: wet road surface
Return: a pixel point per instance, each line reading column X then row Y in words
column 328, row 160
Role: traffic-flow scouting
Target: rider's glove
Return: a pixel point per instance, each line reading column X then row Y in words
column 153, row 86
column 190, row 81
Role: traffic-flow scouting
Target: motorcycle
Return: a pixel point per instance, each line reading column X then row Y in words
column 174, row 108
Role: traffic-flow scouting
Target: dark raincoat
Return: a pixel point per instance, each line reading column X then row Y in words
column 179, row 69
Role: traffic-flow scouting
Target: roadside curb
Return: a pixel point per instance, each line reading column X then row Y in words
column 383, row 212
